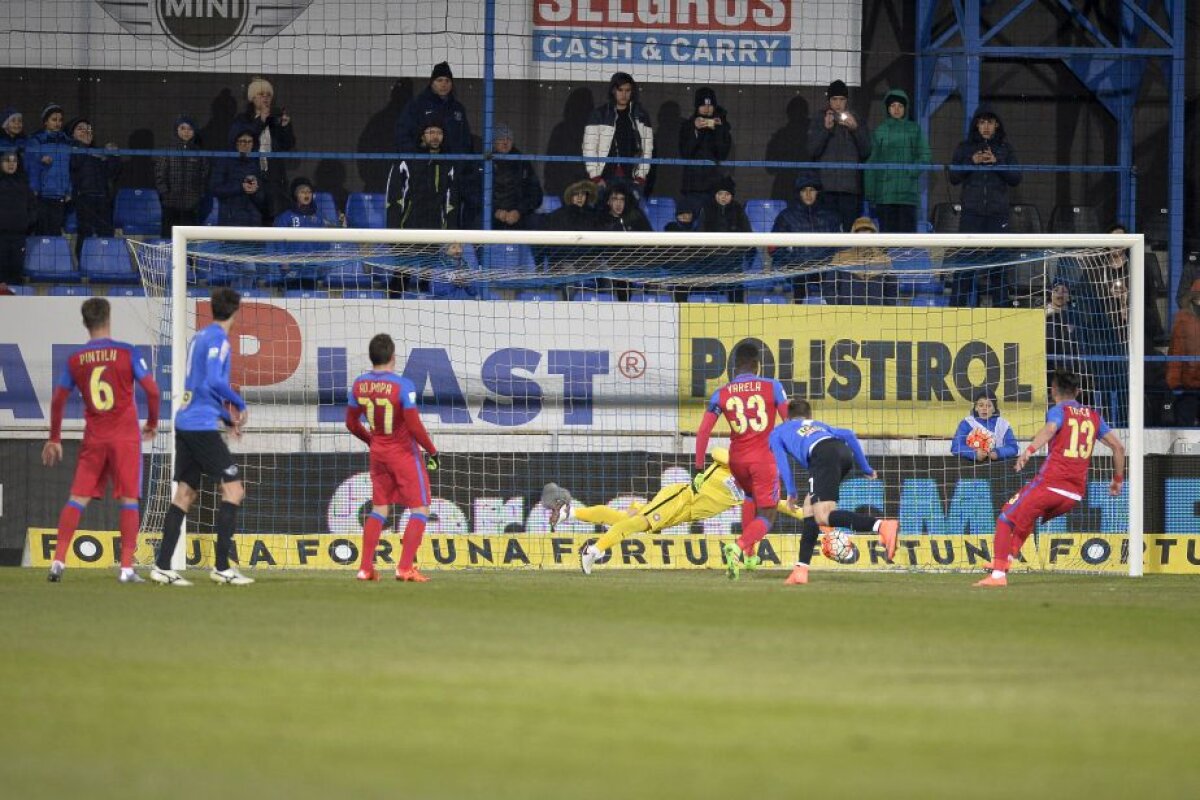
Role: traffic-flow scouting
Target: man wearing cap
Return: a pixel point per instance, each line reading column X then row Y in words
column 838, row 135
column 422, row 193
column 705, row 136
column 619, row 129
column 48, row 162
column 516, row 190
column 181, row 180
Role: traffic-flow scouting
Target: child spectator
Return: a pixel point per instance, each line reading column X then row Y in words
column 861, row 279
column 984, row 435
column 181, row 180
column 48, row 162
column 687, row 215
column 577, row 213
column 620, row 211
column 705, row 136
column 93, row 175
column 723, row 214
column 273, row 133
column 18, row 214
column 12, row 131
column 303, row 214
column 236, row 183
column 837, row 135
column 516, row 190
column 895, row 193
column 619, row 129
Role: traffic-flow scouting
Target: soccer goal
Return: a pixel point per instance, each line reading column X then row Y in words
column 585, row 359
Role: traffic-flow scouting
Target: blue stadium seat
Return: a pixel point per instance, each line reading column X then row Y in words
column 509, row 257
column 931, row 300
column 650, row 297
column 762, row 213
column 769, row 296
column 126, row 291
column 593, row 296
column 198, row 291
column 325, row 206
column 707, row 297
column 48, row 258
column 364, row 294
column 137, row 212
column 918, row 277
column 71, row 220
column 22, row 291
column 365, row 210
column 815, row 300
column 550, row 202
column 539, row 295
column 660, row 211
column 107, row 261
column 70, row 290
column 214, row 210
column 304, row 294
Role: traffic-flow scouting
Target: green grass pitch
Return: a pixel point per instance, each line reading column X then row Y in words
column 625, row 684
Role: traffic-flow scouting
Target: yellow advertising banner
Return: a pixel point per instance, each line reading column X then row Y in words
column 881, row 371
column 1084, row 552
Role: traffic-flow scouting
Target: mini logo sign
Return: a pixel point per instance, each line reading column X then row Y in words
column 205, row 26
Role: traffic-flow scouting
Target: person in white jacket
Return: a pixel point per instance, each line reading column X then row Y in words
column 619, row 129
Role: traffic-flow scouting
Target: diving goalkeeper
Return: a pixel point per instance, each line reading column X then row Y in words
column 675, row 504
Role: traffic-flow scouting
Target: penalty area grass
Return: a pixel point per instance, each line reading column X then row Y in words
column 511, row 684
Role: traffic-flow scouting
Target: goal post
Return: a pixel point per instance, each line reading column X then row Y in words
column 899, row 368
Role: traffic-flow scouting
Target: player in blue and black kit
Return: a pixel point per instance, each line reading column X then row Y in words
column 208, row 403
column 829, row 454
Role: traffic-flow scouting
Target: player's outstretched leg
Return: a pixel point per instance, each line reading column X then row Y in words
column 888, row 529
column 1001, row 549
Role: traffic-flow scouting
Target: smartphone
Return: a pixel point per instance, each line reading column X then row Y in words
column 843, row 116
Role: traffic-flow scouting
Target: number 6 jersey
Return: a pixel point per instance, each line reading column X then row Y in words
column 105, row 371
column 1065, row 471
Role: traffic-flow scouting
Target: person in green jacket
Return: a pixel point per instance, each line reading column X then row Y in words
column 894, row 193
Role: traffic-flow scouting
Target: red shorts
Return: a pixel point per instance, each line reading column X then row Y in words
column 1035, row 501
column 115, row 460
column 399, row 480
column 759, row 479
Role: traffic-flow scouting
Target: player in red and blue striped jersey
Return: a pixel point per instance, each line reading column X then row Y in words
column 1071, row 431
column 399, row 475
column 104, row 371
column 750, row 404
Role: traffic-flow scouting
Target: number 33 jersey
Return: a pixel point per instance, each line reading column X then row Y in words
column 1079, row 427
column 749, row 403
column 105, row 371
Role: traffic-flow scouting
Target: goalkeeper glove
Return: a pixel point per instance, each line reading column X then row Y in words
column 698, row 478
column 432, row 462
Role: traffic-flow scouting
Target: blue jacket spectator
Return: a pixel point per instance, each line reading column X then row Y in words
column 303, row 214
column 48, row 162
column 804, row 214
column 237, row 184
column 984, row 435
column 436, row 101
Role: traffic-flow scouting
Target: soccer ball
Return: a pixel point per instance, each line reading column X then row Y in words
column 837, row 545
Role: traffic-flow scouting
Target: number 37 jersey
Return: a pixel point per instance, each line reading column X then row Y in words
column 1079, row 427
column 749, row 403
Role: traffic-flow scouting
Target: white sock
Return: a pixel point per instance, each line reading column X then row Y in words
column 798, row 564
column 126, row 570
column 997, row 574
column 875, row 527
column 595, row 551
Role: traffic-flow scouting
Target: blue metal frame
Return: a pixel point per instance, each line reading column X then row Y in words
column 950, row 64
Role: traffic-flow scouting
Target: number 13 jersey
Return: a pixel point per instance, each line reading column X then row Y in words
column 1066, row 470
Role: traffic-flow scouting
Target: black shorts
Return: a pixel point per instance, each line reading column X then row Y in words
column 203, row 453
column 828, row 464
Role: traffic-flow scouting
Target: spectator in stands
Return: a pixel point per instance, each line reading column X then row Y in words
column 837, row 135
column 438, row 101
column 303, row 213
column 93, row 177
column 804, row 214
column 687, row 215
column 12, row 131
column 620, row 211
column 181, row 180
column 895, row 193
column 237, row 184
column 273, row 133
column 705, row 136
column 619, row 129
column 860, row 278
column 722, row 213
column 48, row 162
column 984, row 199
column 984, row 435
column 422, row 193
column 1190, row 274
column 1183, row 377
column 1063, row 350
column 577, row 212
column 18, row 214
column 516, row 190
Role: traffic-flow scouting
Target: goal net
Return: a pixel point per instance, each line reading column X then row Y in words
column 586, row 360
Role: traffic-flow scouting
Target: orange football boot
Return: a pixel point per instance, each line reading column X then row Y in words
column 411, row 576
column 889, row 534
column 799, row 575
column 366, row 575
column 989, row 581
